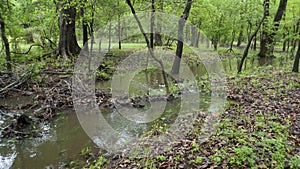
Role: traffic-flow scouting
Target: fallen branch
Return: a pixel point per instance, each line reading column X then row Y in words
column 57, row 73
column 16, row 83
column 25, row 53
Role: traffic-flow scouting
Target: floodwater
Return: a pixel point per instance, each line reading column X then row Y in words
column 63, row 139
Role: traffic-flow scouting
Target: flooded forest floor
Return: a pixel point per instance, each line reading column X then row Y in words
column 260, row 127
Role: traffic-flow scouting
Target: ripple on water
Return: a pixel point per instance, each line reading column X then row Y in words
column 7, row 155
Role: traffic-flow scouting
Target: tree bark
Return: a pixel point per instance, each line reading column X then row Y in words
column 67, row 45
column 152, row 24
column 181, row 23
column 264, row 36
column 297, row 58
column 267, row 47
column 6, row 45
column 279, row 14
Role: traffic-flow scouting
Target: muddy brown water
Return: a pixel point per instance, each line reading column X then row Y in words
column 63, row 139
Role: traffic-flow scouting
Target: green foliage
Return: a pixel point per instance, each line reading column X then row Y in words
column 198, row 160
column 85, row 151
column 160, row 158
column 195, row 147
column 255, row 145
column 99, row 163
column 243, row 156
column 295, row 162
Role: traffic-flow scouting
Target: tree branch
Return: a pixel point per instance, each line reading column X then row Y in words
column 25, row 53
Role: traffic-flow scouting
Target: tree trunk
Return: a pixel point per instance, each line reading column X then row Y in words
column 152, row 24
column 68, row 45
column 245, row 54
column 297, row 58
column 84, row 32
column 285, row 40
column 109, row 35
column 194, row 36
column 255, row 43
column 158, row 40
column 197, row 40
column 187, row 34
column 150, row 49
column 240, row 38
column 215, row 43
column 296, row 31
column 265, row 36
column 232, row 40
column 6, row 44
column 92, row 28
column 181, row 23
column 158, row 37
column 279, row 14
column 119, row 32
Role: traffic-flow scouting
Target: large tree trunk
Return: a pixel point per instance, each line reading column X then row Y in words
column 68, row 45
column 265, row 37
column 6, row 44
column 268, row 45
column 297, row 58
column 181, row 23
column 279, row 14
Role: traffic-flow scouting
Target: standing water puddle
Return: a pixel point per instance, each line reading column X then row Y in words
column 63, row 139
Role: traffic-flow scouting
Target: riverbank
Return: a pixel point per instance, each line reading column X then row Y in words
column 260, row 129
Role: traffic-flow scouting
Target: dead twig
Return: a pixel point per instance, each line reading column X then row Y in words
column 16, row 83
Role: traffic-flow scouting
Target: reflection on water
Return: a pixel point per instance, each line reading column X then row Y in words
column 61, row 141
column 7, row 155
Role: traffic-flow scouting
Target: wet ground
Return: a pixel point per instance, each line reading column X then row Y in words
column 63, row 139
